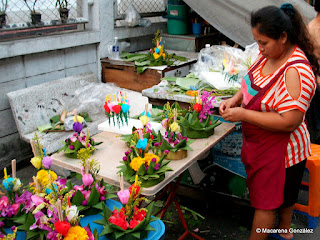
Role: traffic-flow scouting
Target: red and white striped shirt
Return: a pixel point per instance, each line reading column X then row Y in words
column 278, row 99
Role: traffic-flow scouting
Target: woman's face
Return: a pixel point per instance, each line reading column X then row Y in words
column 269, row 47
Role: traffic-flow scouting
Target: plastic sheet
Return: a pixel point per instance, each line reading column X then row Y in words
column 132, row 17
column 225, row 63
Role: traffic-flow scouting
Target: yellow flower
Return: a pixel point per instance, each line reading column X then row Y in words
column 79, row 118
column 148, row 157
column 174, row 127
column 144, row 119
column 155, row 55
column 43, row 177
column 136, row 163
column 36, row 162
column 76, row 233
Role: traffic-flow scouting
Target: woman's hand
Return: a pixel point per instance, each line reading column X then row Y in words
column 231, row 102
column 233, row 114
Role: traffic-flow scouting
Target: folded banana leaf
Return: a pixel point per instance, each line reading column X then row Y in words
column 193, row 128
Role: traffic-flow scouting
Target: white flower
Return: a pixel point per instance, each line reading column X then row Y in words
column 17, row 184
column 71, row 212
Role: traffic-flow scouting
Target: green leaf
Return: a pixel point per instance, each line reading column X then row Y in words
column 135, row 57
column 118, row 234
column 142, row 170
column 106, row 230
column 32, row 234
column 141, row 69
column 21, row 219
column 55, row 119
column 100, row 221
column 149, row 228
column 69, row 185
column 77, row 145
column 94, row 197
column 44, row 127
column 136, row 234
column 144, row 63
column 78, row 198
column 68, row 150
column 95, row 234
column 106, row 212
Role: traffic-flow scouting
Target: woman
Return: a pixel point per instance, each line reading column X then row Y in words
column 275, row 95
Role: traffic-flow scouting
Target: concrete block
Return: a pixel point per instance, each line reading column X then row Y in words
column 7, row 123
column 79, row 56
column 40, row 63
column 43, row 78
column 11, row 69
column 82, row 69
column 34, row 106
column 9, row 87
column 12, row 147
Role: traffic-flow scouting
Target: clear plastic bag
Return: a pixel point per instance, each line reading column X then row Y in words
column 92, row 97
column 231, row 63
column 132, row 17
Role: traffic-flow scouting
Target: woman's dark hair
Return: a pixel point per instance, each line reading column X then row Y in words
column 273, row 21
column 317, row 5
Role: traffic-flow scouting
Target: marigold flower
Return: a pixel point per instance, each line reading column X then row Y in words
column 76, row 233
column 136, row 163
column 43, row 177
column 149, row 156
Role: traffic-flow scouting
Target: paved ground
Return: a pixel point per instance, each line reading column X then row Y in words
column 225, row 217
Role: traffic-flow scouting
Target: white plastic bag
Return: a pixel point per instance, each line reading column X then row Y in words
column 132, row 17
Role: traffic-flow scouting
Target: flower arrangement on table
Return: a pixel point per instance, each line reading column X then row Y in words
column 156, row 57
column 199, row 122
column 130, row 221
column 88, row 196
column 58, row 219
column 12, row 203
column 173, row 140
column 149, row 167
column 79, row 140
column 117, row 109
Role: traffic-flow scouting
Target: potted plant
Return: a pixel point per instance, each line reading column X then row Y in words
column 3, row 9
column 35, row 16
column 63, row 9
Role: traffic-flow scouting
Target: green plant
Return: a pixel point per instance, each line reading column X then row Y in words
column 3, row 6
column 32, row 9
column 62, row 3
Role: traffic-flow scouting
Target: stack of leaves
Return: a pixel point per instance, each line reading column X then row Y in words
column 57, row 122
column 79, row 140
column 156, row 57
column 130, row 221
column 199, row 122
column 93, row 191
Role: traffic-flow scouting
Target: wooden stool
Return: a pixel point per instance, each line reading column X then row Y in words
column 312, row 210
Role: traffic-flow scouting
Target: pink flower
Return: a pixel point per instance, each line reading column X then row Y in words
column 124, row 196
column 87, row 179
column 15, row 208
column 36, row 200
column 4, row 203
column 71, row 147
column 90, row 235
